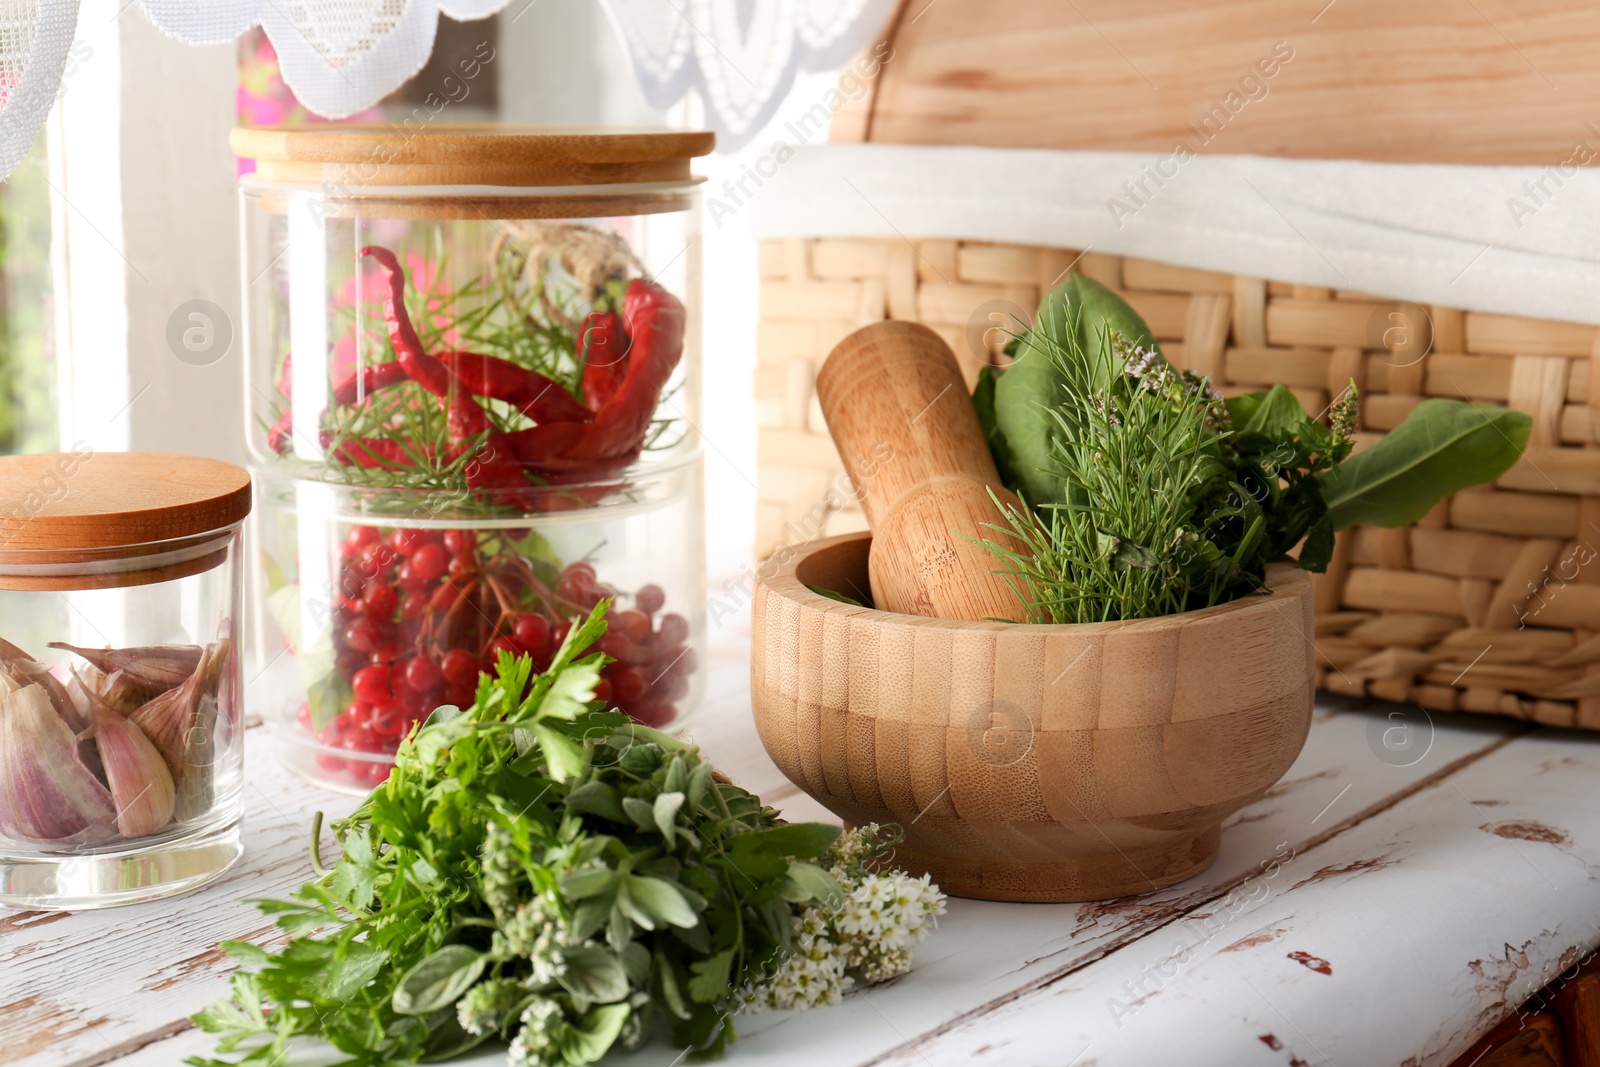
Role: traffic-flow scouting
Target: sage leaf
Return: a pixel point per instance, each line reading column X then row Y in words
column 594, row 1035
column 665, row 813
column 595, row 972
column 581, row 885
column 597, row 798
column 439, row 980
column 1441, row 447
column 661, row 900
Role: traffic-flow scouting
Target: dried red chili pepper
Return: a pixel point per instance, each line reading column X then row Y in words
column 427, row 371
column 617, row 434
column 536, row 396
column 369, row 380
column 604, row 347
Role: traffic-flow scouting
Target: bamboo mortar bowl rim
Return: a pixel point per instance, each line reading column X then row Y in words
column 1284, row 581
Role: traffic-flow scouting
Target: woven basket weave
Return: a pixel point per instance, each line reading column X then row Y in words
column 1489, row 604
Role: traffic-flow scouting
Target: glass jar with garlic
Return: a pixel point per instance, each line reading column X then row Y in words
column 121, row 736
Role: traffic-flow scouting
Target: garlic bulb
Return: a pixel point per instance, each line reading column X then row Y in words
column 46, row 793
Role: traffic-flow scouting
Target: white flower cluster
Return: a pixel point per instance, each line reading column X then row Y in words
column 536, row 1043
column 869, row 936
column 486, row 1005
column 883, row 917
column 531, row 931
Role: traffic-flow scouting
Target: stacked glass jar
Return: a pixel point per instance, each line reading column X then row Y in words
column 473, row 388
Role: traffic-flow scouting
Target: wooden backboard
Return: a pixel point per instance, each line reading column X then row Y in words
column 1440, row 81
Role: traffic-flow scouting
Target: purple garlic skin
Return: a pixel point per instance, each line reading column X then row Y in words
column 141, row 785
column 47, row 795
column 150, row 670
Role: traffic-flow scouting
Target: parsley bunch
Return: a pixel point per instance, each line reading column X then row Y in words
column 535, row 870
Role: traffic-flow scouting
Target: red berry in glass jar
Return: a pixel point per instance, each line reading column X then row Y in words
column 380, row 600
column 362, row 635
column 430, row 562
column 423, row 675
column 634, row 625
column 375, row 559
column 371, row 684
column 462, row 568
column 674, row 630
column 532, row 632
column 459, row 667
column 499, row 645
column 409, row 579
column 602, row 690
column 616, row 645
column 360, row 537
column 652, row 712
column 630, row 684
column 650, row 598
column 460, row 542
column 406, row 542
column 414, row 605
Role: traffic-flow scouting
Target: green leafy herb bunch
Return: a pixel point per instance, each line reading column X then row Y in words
column 540, row 871
column 1147, row 493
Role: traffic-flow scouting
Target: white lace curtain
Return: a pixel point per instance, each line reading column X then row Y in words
column 35, row 36
column 343, row 56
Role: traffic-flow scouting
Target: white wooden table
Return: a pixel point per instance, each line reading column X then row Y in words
column 1361, row 913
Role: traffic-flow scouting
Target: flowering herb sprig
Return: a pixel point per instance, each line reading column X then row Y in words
column 539, row 871
column 865, row 933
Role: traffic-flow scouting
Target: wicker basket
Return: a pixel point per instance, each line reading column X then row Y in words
column 1488, row 604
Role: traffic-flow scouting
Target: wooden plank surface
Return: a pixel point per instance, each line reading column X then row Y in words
column 1343, row 827
column 1363, row 859
column 1483, row 81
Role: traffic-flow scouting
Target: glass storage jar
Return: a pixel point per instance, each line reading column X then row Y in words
column 121, row 746
column 473, row 366
column 369, row 615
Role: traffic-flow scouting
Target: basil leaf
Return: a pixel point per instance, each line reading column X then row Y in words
column 1080, row 312
column 439, row 980
column 983, row 402
column 1277, row 415
column 1441, row 447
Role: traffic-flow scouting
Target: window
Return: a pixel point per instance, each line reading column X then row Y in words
column 27, row 358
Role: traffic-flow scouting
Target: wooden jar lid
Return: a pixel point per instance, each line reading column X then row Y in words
column 86, row 520
column 464, row 154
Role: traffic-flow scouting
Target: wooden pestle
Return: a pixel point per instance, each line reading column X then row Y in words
column 903, row 422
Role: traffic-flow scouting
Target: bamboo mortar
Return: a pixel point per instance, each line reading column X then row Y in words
column 904, row 425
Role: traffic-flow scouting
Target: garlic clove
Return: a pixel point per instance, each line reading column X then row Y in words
column 46, row 793
column 196, row 790
column 136, row 772
column 151, row 670
column 167, row 719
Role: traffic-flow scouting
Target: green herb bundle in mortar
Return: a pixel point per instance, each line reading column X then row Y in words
column 539, row 871
column 1147, row 493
